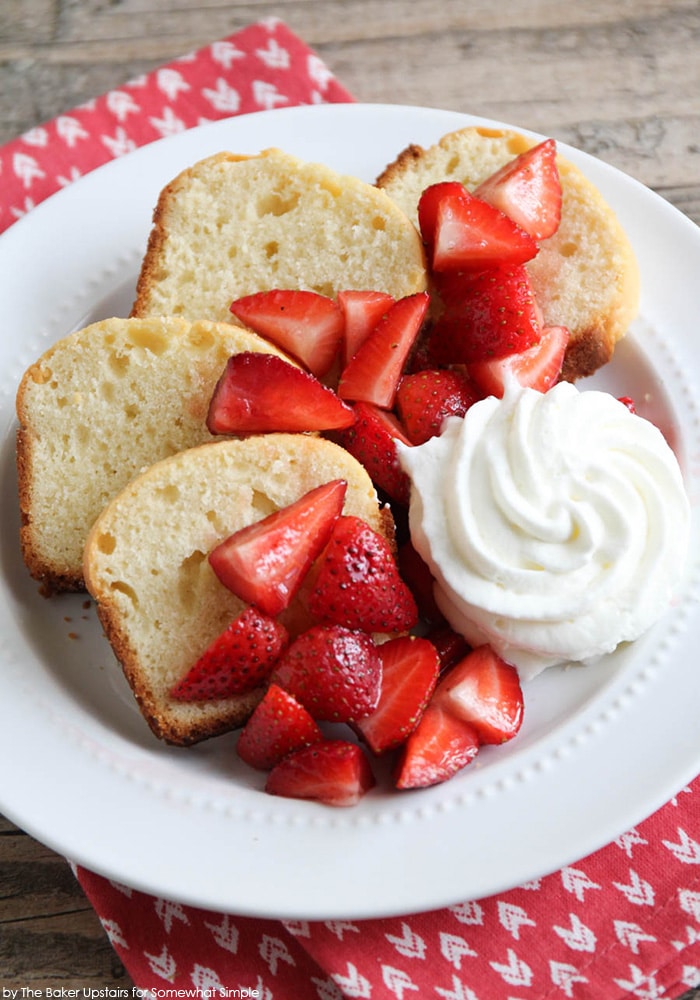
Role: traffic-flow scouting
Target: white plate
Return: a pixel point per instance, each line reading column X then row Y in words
column 600, row 749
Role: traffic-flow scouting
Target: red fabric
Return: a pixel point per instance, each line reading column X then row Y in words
column 624, row 922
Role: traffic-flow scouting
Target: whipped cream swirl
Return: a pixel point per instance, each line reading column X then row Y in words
column 555, row 524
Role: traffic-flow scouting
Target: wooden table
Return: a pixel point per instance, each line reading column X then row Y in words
column 619, row 80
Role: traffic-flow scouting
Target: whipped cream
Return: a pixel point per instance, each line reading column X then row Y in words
column 555, row 524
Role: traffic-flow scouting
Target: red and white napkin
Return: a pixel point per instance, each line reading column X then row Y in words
column 624, row 922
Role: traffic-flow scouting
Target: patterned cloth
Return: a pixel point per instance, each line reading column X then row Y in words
column 624, row 922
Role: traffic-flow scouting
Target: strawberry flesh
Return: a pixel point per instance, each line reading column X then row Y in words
column 462, row 232
column 538, row 367
column 371, row 439
column 265, row 562
column 440, row 746
column 410, row 667
column 278, row 726
column 239, row 660
column 334, row 772
column 305, row 324
column 528, row 190
column 362, row 310
column 373, row 372
column 334, row 672
column 258, row 393
column 358, row 584
column 484, row 690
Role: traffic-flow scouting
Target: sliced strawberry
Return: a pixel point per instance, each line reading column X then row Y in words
column 528, row 190
column 417, row 575
column 486, row 315
column 265, row 563
column 278, row 726
column 305, row 324
column 258, row 393
column 334, row 672
column 361, row 310
column 239, row 660
column 462, row 232
column 334, row 772
column 373, row 372
column 410, row 669
column 440, row 746
column 484, row 690
column 628, row 402
column 372, row 441
column 424, row 399
column 538, row 367
column 358, row 583
column 450, row 645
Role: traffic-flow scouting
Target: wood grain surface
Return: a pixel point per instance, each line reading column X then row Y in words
column 617, row 78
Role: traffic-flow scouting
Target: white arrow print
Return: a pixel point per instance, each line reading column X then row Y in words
column 410, row 945
column 26, row 169
column 274, row 56
column 639, row 892
column 397, row 981
column 168, row 123
column 225, row 934
column 628, row 840
column 114, row 933
column 689, row 902
column 458, row 992
column 163, row 965
column 225, row 54
column 513, row 918
column 693, row 938
column 223, row 98
column 167, row 912
column 353, row 985
column 171, row 83
column 577, row 882
column 578, row 937
column 690, row 975
column 119, row 143
column 644, row 987
column 298, row 928
column 206, row 981
column 267, row 95
column 36, row 137
column 70, row 130
column 339, row 927
column 454, row 949
column 631, row 935
column 326, row 989
column 565, row 976
column 272, row 950
column 121, row 104
column 516, row 972
column 318, row 71
column 468, row 913
column 687, row 851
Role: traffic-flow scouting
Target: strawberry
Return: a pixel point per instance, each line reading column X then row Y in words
column 239, row 660
column 486, row 315
column 334, row 672
column 373, row 372
column 358, row 583
column 483, row 690
column 278, row 726
column 462, row 232
column 262, row 392
column 334, row 772
column 528, row 190
column 417, row 575
column 628, row 401
column 265, row 562
column 410, row 668
column 305, row 324
column 372, row 441
column 440, row 746
column 450, row 645
column 425, row 398
column 538, row 367
column 361, row 311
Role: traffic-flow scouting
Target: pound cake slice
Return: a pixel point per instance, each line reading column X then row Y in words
column 96, row 408
column 233, row 225
column 146, row 562
column 585, row 276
